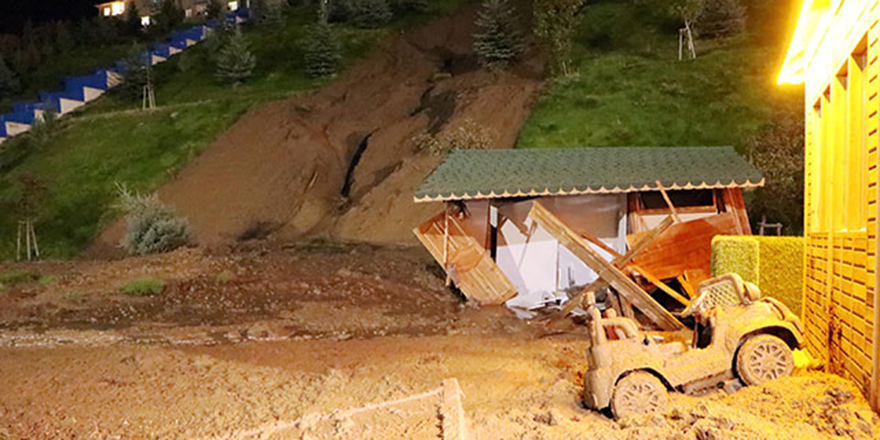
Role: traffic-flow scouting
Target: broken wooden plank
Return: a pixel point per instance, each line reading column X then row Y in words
column 733, row 202
column 599, row 243
column 685, row 247
column 626, row 307
column 466, row 261
column 668, row 202
column 453, row 423
column 626, row 287
column 660, row 285
column 642, row 243
column 687, row 286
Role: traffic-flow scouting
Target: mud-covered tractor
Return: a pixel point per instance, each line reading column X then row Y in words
column 738, row 336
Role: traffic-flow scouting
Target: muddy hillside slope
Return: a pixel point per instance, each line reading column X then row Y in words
column 343, row 162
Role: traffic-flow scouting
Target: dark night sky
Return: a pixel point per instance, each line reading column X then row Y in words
column 14, row 13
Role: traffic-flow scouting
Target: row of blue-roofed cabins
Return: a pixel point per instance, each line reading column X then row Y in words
column 79, row 90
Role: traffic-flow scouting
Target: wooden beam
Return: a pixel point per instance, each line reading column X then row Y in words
column 687, row 286
column 641, row 244
column 661, row 285
column 595, row 240
column 668, row 202
column 626, row 287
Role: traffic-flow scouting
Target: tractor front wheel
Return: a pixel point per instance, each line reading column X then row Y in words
column 638, row 393
column 763, row 358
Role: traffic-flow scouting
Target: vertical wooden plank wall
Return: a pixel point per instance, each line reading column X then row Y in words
column 840, row 264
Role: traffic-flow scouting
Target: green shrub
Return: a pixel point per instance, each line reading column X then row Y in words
column 14, row 277
column 46, row 280
column 143, row 287
column 152, row 227
column 782, row 269
column 775, row 264
column 736, row 254
column 224, row 277
column 369, row 14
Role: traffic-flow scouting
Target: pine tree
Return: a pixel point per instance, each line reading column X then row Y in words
column 168, row 17
column 235, row 62
column 214, row 10
column 258, row 10
column 323, row 51
column 499, row 40
column 63, row 40
column 370, row 14
column 132, row 26
column 722, row 18
column 9, row 83
column 340, row 11
column 137, row 74
column 274, row 15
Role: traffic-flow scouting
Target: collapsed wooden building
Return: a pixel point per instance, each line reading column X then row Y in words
column 521, row 226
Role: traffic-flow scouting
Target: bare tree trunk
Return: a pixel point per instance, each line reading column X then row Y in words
column 690, row 35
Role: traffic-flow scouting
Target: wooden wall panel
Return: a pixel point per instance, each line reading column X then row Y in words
column 685, row 247
column 839, row 275
column 465, row 260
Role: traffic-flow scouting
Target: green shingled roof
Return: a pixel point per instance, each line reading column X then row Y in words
column 483, row 174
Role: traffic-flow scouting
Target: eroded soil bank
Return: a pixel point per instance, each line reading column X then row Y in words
column 344, row 162
column 246, row 338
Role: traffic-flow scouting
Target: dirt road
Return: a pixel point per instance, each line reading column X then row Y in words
column 245, row 339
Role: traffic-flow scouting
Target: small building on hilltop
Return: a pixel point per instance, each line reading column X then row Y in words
column 190, row 8
column 834, row 54
column 494, row 253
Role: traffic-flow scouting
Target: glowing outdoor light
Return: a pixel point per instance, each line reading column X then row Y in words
column 814, row 15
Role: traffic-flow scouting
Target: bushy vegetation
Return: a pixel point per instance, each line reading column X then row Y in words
column 9, row 83
column 721, row 18
column 555, row 23
column 143, row 287
column 778, row 151
column 499, row 40
column 628, row 89
column 151, row 226
column 14, row 277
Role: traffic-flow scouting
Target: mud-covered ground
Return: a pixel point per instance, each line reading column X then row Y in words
column 243, row 340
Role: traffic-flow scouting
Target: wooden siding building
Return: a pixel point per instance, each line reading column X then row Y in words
column 834, row 54
column 611, row 197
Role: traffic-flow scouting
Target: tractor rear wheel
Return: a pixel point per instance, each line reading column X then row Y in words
column 763, row 358
column 638, row 393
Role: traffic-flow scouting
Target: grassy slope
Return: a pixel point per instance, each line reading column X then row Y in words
column 110, row 142
column 631, row 90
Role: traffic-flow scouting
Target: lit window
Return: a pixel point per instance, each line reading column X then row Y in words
column 145, row 20
column 189, row 13
column 233, row 6
column 117, row 8
column 107, row 12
